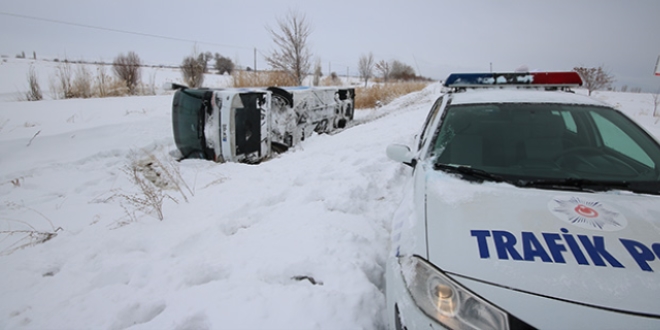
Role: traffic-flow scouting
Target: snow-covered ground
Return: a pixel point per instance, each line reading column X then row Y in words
column 297, row 242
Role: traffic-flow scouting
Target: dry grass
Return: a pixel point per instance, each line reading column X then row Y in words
column 25, row 234
column 80, row 82
column 331, row 80
column 153, row 178
column 61, row 84
column 112, row 88
column 262, row 79
column 381, row 94
column 34, row 94
column 81, row 85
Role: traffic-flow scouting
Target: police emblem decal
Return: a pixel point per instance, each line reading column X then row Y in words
column 588, row 214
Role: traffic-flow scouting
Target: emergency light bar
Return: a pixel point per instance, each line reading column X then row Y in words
column 527, row 79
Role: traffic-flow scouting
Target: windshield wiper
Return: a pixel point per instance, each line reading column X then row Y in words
column 474, row 173
column 575, row 184
column 590, row 185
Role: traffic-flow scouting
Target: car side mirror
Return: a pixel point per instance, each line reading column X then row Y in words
column 400, row 153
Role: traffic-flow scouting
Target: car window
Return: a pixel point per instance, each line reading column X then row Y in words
column 615, row 138
column 428, row 123
column 539, row 141
column 569, row 121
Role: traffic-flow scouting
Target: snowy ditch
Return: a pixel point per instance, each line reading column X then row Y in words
column 298, row 241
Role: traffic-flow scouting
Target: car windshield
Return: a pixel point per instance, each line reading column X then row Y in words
column 188, row 122
column 546, row 143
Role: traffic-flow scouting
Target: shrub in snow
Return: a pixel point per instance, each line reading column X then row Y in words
column 18, row 234
column 152, row 178
column 127, row 69
column 192, row 69
column 34, row 93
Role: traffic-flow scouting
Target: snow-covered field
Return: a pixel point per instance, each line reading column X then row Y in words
column 297, row 242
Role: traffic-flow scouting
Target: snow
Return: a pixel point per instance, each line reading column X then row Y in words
column 521, row 95
column 296, row 242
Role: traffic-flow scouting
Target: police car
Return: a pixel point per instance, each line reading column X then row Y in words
column 529, row 207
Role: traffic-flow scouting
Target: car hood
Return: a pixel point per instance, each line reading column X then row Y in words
column 599, row 249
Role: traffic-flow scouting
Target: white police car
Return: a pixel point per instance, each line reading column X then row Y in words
column 529, row 207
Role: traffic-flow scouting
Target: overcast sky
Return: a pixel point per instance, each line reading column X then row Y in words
column 434, row 37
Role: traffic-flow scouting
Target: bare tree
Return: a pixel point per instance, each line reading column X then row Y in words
column 384, row 68
column 401, row 71
column 293, row 55
column 127, row 69
column 594, row 78
column 203, row 59
column 192, row 69
column 223, row 64
column 366, row 67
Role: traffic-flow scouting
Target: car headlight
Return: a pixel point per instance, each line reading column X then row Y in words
column 446, row 301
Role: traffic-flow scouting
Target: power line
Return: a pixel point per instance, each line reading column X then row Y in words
column 117, row 30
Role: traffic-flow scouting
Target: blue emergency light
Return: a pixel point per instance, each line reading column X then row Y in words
column 529, row 79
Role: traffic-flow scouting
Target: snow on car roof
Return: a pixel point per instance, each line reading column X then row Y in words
column 511, row 95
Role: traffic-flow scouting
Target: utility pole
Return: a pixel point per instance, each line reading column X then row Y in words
column 491, row 67
column 255, row 59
